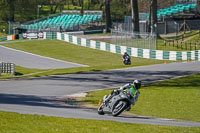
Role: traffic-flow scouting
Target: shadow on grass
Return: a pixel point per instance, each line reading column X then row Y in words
column 18, row 74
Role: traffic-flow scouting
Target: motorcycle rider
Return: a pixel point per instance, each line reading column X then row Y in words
column 133, row 90
column 126, row 56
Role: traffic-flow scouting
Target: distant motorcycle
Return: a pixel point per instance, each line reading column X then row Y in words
column 127, row 60
column 117, row 104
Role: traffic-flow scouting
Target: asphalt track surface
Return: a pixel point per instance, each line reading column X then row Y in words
column 29, row 60
column 41, row 95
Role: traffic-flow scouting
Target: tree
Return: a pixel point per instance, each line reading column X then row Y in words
column 88, row 4
column 154, row 15
column 54, row 4
column 12, row 10
column 153, row 18
column 135, row 15
column 82, row 5
column 108, row 16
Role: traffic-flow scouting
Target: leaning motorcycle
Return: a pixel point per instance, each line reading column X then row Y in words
column 117, row 104
column 127, row 60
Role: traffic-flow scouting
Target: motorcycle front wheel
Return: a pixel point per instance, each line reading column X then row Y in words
column 100, row 110
column 119, row 108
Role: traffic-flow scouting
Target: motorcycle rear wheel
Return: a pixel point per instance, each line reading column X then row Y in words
column 119, row 108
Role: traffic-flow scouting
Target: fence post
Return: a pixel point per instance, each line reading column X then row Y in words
column 181, row 46
column 186, row 46
column 177, row 45
column 182, row 36
column 195, row 46
column 13, row 69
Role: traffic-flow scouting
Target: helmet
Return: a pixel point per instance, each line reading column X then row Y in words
column 137, row 84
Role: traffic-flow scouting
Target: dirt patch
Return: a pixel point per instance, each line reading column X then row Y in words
column 108, row 40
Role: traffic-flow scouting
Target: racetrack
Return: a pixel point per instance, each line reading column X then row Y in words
column 29, row 60
column 40, row 95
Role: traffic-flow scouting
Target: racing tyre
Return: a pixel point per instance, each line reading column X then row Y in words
column 119, row 107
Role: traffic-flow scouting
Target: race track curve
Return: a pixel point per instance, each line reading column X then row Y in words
column 40, row 95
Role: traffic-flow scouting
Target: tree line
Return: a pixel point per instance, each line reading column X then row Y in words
column 115, row 10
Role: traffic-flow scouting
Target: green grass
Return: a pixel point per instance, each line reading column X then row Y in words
column 19, row 123
column 189, row 37
column 182, row 35
column 195, row 38
column 23, row 72
column 170, row 46
column 162, row 46
column 2, row 34
column 175, row 99
column 95, row 59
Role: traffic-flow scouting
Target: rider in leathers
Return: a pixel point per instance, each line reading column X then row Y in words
column 133, row 90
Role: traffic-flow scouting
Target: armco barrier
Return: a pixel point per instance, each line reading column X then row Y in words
column 50, row 35
column 136, row 52
column 9, row 37
column 7, row 68
column 3, row 38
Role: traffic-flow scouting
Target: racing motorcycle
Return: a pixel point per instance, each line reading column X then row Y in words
column 117, row 104
column 127, row 60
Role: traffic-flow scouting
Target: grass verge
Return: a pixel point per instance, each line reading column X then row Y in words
column 96, row 60
column 175, row 99
column 3, row 34
column 20, row 123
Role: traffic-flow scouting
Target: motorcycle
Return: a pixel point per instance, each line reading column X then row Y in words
column 127, row 60
column 117, row 104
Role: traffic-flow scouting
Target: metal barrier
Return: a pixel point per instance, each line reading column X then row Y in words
column 131, row 39
column 8, row 68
